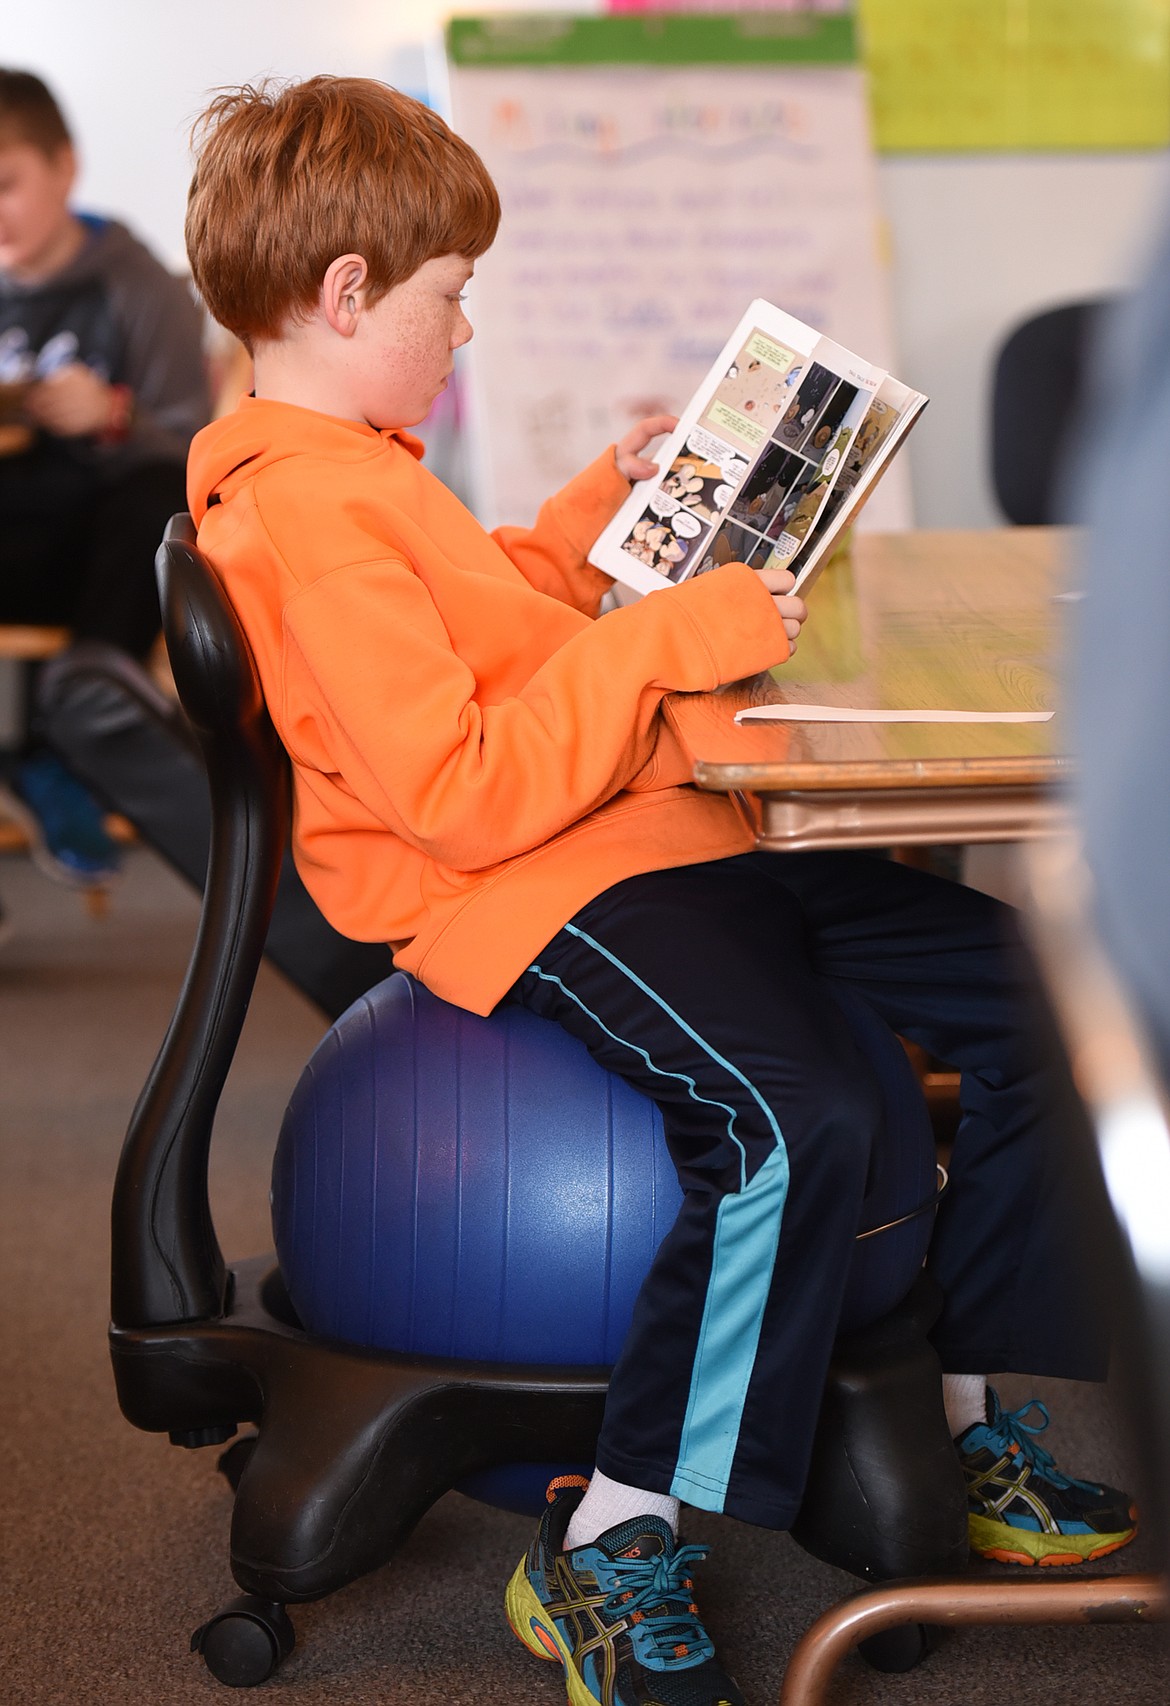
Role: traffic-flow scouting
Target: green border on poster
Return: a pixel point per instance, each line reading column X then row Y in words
column 653, row 38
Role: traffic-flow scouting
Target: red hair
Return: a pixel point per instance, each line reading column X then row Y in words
column 289, row 178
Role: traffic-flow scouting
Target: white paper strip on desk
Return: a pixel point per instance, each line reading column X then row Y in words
column 850, row 714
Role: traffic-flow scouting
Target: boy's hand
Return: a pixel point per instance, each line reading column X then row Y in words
column 72, row 403
column 626, row 452
column 779, row 583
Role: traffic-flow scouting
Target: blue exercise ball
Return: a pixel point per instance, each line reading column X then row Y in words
column 454, row 1186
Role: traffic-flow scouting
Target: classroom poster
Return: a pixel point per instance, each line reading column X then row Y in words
column 656, row 174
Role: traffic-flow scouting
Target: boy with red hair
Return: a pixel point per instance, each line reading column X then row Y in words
column 485, row 778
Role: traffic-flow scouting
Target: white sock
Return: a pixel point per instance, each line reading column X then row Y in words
column 965, row 1401
column 606, row 1503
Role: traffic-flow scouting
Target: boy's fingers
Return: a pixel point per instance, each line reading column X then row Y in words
column 654, row 425
column 778, row 580
column 640, row 435
column 791, row 609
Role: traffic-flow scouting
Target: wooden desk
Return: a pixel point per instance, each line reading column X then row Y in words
column 963, row 621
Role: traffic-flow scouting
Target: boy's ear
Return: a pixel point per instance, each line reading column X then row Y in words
column 343, row 293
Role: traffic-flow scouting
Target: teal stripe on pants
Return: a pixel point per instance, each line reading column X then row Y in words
column 743, row 1256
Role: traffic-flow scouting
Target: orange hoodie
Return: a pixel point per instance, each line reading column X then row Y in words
column 475, row 754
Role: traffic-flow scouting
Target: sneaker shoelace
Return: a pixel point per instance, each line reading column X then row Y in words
column 643, row 1591
column 1009, row 1430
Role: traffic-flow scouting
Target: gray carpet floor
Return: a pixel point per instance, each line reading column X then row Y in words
column 114, row 1543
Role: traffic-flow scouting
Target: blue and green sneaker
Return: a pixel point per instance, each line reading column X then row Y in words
column 618, row 1614
column 1021, row 1509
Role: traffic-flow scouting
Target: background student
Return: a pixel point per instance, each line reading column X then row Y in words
column 103, row 386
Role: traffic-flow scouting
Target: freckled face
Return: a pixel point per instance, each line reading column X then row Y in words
column 404, row 344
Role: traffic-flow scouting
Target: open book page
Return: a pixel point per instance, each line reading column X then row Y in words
column 888, row 418
column 819, row 449
column 750, row 470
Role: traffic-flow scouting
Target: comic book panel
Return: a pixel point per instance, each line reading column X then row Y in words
column 704, row 476
column 754, row 392
column 665, row 537
column 795, row 525
column 806, row 406
column 761, row 555
column 821, row 430
column 871, row 435
column 730, row 544
column 767, row 486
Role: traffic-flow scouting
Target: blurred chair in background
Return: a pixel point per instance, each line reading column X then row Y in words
column 1038, row 384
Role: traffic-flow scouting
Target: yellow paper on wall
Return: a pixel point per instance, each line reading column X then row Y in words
column 1018, row 75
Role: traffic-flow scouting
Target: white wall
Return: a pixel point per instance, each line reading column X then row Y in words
column 133, row 74
column 977, row 242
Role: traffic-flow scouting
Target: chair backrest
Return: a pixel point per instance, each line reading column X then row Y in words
column 1037, row 389
column 167, row 1264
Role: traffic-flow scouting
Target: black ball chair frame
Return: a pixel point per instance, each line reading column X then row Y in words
column 354, row 1445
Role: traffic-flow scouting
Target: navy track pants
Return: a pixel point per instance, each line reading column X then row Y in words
column 709, row 988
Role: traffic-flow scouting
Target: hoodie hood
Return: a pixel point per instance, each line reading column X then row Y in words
column 259, row 433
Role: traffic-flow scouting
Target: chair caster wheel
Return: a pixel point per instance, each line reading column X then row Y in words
column 900, row 1648
column 244, row 1643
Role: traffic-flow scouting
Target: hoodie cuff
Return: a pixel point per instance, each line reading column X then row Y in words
column 734, row 612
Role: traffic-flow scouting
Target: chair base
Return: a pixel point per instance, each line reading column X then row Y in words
column 885, row 1495
column 353, row 1445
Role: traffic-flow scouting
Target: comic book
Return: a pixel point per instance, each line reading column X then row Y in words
column 771, row 459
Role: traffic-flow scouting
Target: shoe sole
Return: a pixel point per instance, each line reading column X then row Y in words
column 1004, row 1544
column 534, row 1629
